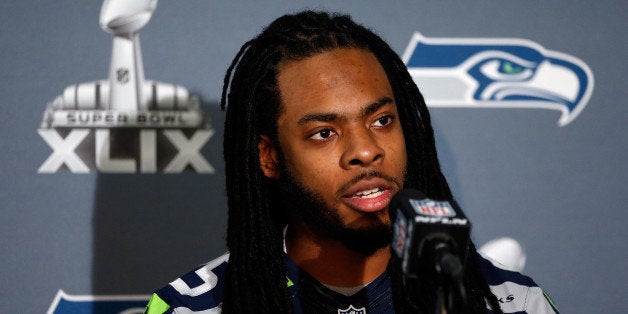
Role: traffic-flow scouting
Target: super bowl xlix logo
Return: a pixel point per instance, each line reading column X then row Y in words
column 125, row 124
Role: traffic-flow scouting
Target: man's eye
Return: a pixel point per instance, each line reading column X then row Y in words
column 383, row 121
column 322, row 134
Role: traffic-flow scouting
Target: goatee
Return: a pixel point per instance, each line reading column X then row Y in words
column 326, row 222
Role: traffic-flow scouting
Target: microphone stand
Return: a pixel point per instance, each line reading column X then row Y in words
column 450, row 274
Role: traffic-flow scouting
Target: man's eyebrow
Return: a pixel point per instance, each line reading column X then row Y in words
column 321, row 117
column 330, row 117
column 376, row 105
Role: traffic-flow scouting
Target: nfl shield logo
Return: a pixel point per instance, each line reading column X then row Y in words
column 352, row 310
column 122, row 75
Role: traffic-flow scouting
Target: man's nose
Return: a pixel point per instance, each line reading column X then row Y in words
column 361, row 149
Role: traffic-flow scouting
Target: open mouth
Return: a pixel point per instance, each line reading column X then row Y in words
column 368, row 194
column 370, row 199
column 373, row 193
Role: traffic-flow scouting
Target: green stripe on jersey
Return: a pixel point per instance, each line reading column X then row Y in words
column 551, row 302
column 156, row 305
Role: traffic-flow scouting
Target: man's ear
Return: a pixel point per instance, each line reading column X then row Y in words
column 268, row 157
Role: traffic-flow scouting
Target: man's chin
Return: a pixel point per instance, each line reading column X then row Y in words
column 371, row 232
column 368, row 221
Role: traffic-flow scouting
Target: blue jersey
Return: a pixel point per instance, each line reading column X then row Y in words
column 200, row 292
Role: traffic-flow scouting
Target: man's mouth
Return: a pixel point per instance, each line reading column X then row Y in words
column 373, row 193
column 369, row 195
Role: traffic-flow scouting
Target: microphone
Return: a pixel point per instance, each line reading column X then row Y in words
column 432, row 235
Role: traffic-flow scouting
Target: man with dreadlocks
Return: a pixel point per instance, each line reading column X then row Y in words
column 323, row 126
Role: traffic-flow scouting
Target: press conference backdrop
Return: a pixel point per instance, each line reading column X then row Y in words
column 99, row 208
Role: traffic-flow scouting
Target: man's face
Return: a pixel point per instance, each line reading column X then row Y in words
column 340, row 137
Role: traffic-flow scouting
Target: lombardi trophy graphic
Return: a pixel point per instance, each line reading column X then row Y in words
column 126, row 99
column 126, row 72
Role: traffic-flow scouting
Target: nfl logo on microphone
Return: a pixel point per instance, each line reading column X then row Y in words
column 434, row 208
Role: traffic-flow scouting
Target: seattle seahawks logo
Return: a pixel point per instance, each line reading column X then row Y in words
column 64, row 303
column 498, row 73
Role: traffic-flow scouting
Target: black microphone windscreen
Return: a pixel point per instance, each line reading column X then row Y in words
column 422, row 225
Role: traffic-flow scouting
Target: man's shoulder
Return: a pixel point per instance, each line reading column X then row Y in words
column 198, row 290
column 515, row 292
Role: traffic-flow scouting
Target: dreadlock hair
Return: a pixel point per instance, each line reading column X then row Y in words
column 256, row 272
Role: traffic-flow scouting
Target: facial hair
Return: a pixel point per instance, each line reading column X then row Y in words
column 326, row 222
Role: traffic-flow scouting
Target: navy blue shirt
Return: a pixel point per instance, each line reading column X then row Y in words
column 200, row 292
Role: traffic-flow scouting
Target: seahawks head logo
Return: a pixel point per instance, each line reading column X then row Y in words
column 498, row 73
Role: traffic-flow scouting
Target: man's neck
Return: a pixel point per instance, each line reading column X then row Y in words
column 332, row 263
